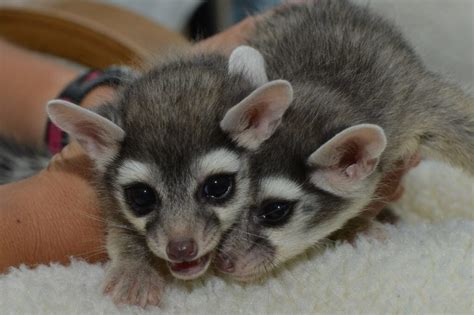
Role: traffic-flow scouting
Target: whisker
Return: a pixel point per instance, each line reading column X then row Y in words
column 243, row 231
column 89, row 254
column 102, row 220
column 255, row 244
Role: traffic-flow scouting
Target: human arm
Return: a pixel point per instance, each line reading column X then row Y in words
column 55, row 214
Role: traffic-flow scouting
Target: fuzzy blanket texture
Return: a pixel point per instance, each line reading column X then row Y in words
column 424, row 264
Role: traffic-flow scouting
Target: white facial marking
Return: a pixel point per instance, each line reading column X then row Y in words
column 133, row 171
column 280, row 188
column 295, row 237
column 216, row 162
column 224, row 161
column 130, row 172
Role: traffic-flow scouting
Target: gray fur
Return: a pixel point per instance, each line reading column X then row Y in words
column 162, row 114
column 19, row 161
column 171, row 117
column 353, row 67
column 347, row 66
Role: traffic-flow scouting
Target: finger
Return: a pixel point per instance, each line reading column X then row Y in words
column 398, row 193
column 414, row 160
column 227, row 40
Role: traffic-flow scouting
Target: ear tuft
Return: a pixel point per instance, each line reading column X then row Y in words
column 248, row 62
column 344, row 162
column 98, row 136
column 256, row 118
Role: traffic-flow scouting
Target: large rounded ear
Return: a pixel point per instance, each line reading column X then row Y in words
column 248, row 62
column 255, row 118
column 341, row 165
column 99, row 137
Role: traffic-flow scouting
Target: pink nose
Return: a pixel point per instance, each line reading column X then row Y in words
column 182, row 250
column 224, row 263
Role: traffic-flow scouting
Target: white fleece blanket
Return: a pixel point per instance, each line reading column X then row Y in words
column 425, row 264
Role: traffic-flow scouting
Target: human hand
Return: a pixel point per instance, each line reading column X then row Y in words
column 390, row 187
column 55, row 214
column 227, row 40
column 388, row 190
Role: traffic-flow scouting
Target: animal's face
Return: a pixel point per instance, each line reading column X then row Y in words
column 182, row 213
column 178, row 178
column 298, row 204
column 174, row 161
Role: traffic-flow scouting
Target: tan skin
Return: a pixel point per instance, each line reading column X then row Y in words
column 55, row 214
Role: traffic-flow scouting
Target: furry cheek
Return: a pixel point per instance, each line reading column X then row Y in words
column 249, row 257
column 255, row 266
column 156, row 241
column 229, row 213
column 132, row 171
column 139, row 223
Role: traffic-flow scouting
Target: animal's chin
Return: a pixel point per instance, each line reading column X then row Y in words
column 192, row 269
column 243, row 275
column 247, row 277
column 256, row 271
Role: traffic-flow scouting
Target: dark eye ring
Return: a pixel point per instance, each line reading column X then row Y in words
column 141, row 197
column 275, row 212
column 218, row 188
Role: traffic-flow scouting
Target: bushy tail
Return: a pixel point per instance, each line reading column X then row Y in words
column 451, row 133
column 20, row 161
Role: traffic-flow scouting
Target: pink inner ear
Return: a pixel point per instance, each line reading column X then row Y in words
column 348, row 158
column 263, row 118
column 253, row 116
column 349, row 153
column 93, row 138
column 354, row 161
column 92, row 131
column 360, row 169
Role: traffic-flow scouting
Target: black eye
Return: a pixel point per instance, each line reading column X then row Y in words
column 275, row 213
column 141, row 198
column 218, row 188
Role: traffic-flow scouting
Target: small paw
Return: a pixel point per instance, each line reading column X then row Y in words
column 133, row 284
column 377, row 231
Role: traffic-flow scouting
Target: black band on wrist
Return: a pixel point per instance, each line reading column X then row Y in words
column 77, row 90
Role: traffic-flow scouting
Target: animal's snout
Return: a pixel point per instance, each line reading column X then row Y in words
column 182, row 250
column 224, row 263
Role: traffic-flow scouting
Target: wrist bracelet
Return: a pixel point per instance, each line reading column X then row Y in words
column 76, row 91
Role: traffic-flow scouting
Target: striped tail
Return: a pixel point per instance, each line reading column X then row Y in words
column 19, row 161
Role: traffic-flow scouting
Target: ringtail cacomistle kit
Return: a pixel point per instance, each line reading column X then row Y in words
column 362, row 100
column 196, row 148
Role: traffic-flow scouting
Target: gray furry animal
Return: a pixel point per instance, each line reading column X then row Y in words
column 171, row 180
column 188, row 152
column 20, row 161
column 362, row 101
